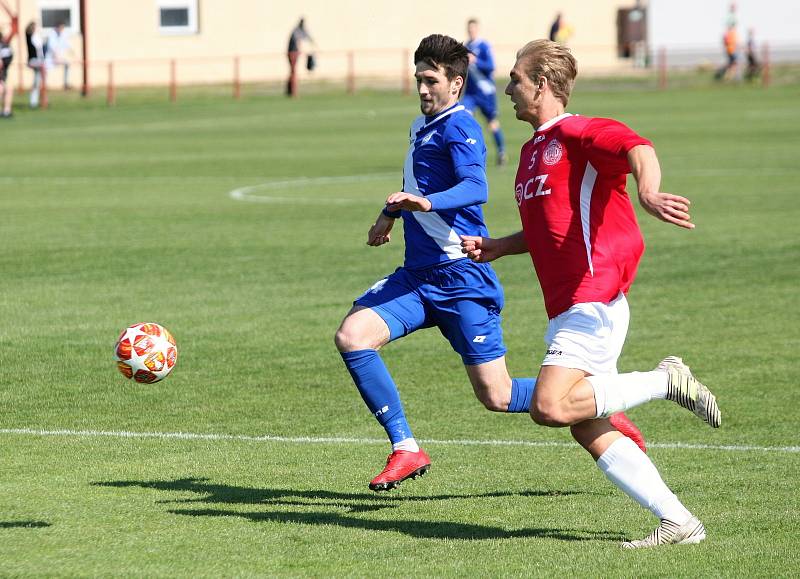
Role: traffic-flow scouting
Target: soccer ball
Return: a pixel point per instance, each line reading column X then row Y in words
column 146, row 352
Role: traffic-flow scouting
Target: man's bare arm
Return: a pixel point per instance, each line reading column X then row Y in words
column 647, row 172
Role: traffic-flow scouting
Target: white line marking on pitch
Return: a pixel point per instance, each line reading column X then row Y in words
column 248, row 193
column 344, row 440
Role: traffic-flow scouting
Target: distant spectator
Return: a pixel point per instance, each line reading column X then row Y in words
column 36, row 51
column 297, row 39
column 753, row 66
column 560, row 31
column 555, row 27
column 6, row 90
column 59, row 50
column 730, row 19
column 730, row 42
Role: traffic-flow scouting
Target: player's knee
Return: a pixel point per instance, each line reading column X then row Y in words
column 347, row 339
column 352, row 336
column 548, row 413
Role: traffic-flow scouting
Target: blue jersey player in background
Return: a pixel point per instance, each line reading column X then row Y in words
column 481, row 92
column 444, row 185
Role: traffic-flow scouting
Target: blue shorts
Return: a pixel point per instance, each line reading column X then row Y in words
column 487, row 104
column 463, row 299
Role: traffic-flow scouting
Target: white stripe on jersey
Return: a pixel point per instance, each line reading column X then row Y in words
column 587, row 186
column 441, row 233
column 431, row 222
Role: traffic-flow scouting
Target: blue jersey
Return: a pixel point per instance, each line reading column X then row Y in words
column 446, row 162
column 479, row 77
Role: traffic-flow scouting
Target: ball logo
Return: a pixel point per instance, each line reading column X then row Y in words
column 552, row 153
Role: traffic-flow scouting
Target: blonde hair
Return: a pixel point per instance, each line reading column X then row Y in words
column 553, row 61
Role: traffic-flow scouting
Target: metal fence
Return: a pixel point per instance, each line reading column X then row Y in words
column 237, row 76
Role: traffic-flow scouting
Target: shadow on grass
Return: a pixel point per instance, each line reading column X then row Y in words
column 414, row 528
column 354, row 503
column 22, row 524
column 364, row 501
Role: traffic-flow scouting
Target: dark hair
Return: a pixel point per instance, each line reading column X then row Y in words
column 439, row 50
column 472, row 21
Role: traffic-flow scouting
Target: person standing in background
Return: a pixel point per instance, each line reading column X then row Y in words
column 298, row 36
column 555, row 27
column 36, row 53
column 730, row 42
column 753, row 66
column 6, row 90
column 560, row 31
column 59, row 50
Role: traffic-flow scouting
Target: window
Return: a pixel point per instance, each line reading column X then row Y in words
column 51, row 12
column 177, row 16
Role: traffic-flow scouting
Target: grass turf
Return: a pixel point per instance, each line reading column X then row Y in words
column 123, row 215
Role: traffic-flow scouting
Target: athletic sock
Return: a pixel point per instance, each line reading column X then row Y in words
column 521, row 394
column 379, row 392
column 618, row 392
column 408, row 444
column 499, row 140
column 633, row 472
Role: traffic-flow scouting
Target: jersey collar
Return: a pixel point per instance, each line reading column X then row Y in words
column 552, row 122
column 430, row 120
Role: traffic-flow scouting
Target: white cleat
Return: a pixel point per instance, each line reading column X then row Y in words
column 687, row 391
column 670, row 533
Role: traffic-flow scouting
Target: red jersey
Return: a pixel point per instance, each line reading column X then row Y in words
column 577, row 218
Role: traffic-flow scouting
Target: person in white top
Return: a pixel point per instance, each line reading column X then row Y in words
column 59, row 50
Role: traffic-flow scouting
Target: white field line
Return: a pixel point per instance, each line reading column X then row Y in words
column 346, row 440
column 249, row 193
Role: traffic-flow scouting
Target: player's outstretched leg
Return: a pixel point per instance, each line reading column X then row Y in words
column 632, row 471
column 684, row 389
column 671, row 533
column 401, row 465
column 379, row 392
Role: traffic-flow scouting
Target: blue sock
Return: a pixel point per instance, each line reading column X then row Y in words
column 499, row 140
column 378, row 390
column 521, row 394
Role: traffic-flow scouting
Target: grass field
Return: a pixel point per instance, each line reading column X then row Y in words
column 113, row 216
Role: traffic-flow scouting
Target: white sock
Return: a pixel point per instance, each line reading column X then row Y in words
column 409, row 444
column 633, row 472
column 618, row 392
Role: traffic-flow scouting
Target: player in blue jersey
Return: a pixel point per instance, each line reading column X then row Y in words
column 481, row 92
column 444, row 185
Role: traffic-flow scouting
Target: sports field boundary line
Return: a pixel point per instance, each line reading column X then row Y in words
column 248, row 193
column 346, row 440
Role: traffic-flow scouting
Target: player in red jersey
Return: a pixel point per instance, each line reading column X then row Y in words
column 580, row 229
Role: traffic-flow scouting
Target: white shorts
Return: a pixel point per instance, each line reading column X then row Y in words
column 588, row 336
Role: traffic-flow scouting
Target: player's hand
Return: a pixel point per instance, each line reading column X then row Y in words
column 480, row 249
column 407, row 201
column 379, row 232
column 668, row 207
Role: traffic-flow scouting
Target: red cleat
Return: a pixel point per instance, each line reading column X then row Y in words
column 401, row 465
column 628, row 428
